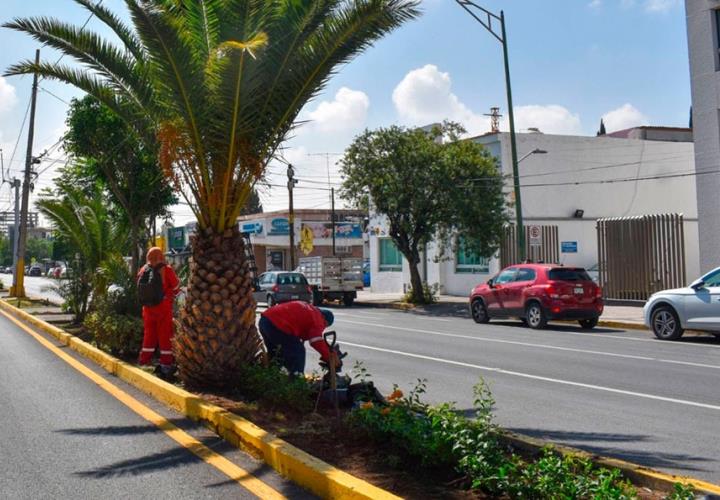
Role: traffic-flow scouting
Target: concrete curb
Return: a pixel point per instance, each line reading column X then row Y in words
column 637, row 474
column 627, row 325
column 302, row 468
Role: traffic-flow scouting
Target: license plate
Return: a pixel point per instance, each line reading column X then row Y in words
column 294, row 297
column 579, row 290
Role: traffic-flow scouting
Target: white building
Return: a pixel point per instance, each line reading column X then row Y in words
column 618, row 175
column 703, row 27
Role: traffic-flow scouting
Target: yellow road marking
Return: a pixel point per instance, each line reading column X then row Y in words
column 233, row 471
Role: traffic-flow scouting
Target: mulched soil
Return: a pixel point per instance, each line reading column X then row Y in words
column 331, row 439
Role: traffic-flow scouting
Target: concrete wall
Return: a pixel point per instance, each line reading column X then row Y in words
column 705, row 86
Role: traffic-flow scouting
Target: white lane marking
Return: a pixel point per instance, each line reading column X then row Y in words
column 540, row 346
column 359, row 315
column 541, row 378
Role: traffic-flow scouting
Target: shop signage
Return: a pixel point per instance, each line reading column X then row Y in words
column 251, row 227
column 323, row 230
column 176, row 238
column 279, row 227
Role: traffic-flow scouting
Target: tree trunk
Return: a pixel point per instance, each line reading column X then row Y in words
column 135, row 248
column 418, row 297
column 217, row 333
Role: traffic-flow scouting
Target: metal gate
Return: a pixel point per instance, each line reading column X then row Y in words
column 639, row 256
column 547, row 251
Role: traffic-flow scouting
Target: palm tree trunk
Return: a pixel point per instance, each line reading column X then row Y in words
column 217, row 333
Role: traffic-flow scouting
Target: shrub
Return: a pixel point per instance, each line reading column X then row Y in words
column 429, row 295
column 119, row 334
column 439, row 436
column 273, row 387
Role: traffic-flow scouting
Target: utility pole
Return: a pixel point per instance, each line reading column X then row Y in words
column 14, row 184
column 332, row 214
column 291, row 216
column 486, row 18
column 18, row 288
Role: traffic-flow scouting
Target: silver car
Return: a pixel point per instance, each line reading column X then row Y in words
column 697, row 307
column 275, row 287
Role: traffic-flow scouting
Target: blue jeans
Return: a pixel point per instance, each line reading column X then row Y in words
column 286, row 348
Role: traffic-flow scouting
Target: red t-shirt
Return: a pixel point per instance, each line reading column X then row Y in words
column 301, row 320
column 171, row 285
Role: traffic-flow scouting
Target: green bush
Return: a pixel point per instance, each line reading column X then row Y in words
column 272, row 387
column 430, row 294
column 439, row 436
column 119, row 334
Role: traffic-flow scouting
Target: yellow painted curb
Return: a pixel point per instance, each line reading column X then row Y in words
column 622, row 324
column 637, row 474
column 302, row 468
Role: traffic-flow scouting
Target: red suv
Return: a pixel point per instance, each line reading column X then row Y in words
column 537, row 293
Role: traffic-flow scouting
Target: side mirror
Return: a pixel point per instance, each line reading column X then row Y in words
column 256, row 285
column 697, row 284
column 491, row 283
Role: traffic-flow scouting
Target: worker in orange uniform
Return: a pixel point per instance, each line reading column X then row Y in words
column 158, row 285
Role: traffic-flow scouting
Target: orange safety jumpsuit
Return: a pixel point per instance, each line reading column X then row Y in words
column 158, row 321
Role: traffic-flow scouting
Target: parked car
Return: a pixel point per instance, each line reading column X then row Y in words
column 538, row 293
column 696, row 307
column 35, row 271
column 275, row 287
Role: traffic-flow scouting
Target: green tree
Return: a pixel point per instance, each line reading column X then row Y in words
column 110, row 154
column 431, row 186
column 219, row 83
column 6, row 251
column 38, row 249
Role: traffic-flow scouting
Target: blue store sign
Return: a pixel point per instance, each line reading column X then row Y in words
column 569, row 247
column 279, row 227
column 252, row 227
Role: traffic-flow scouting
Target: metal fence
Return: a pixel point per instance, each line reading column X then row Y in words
column 639, row 256
column 548, row 249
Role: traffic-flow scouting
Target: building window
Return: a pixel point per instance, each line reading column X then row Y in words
column 468, row 262
column 390, row 256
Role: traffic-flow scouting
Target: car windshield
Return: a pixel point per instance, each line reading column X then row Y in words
column 712, row 278
column 291, row 279
column 565, row 274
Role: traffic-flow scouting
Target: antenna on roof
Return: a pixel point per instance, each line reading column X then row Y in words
column 494, row 120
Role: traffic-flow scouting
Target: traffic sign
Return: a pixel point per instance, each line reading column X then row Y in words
column 535, row 236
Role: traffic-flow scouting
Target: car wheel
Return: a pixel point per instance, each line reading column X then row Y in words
column 665, row 323
column 535, row 316
column 270, row 301
column 478, row 312
column 317, row 298
column 588, row 324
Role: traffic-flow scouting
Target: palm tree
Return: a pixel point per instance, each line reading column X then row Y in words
column 85, row 223
column 219, row 83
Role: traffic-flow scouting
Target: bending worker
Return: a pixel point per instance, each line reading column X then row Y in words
column 286, row 326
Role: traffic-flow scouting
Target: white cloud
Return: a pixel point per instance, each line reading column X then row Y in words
column 425, row 96
column 594, row 4
column 551, row 119
column 624, row 117
column 8, row 97
column 660, row 5
column 347, row 111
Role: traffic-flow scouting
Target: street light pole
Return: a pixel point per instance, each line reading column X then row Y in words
column 487, row 23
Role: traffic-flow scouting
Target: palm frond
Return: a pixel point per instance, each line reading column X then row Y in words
column 123, row 31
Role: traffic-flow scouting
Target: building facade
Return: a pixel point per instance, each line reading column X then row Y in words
column 270, row 236
column 576, row 181
column 703, row 28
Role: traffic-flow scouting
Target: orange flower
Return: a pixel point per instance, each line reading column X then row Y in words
column 366, row 405
column 396, row 394
column 385, row 410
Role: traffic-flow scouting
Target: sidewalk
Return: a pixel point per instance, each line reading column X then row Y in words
column 616, row 316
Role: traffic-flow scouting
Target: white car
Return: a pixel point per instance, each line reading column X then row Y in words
column 697, row 307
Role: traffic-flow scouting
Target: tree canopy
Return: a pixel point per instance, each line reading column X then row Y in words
column 431, row 185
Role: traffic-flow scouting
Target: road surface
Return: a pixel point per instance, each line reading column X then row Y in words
column 63, row 436
column 617, row 393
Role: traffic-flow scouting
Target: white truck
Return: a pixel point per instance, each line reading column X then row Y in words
column 333, row 278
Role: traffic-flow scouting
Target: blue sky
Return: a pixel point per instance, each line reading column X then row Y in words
column 572, row 62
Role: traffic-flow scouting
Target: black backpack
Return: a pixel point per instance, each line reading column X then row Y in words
column 150, row 286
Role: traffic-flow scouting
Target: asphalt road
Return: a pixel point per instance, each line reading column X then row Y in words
column 36, row 287
column 62, row 436
column 618, row 393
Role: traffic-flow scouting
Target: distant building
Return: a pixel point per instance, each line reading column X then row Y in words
column 270, row 235
column 7, row 221
column 567, row 187
column 703, row 28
